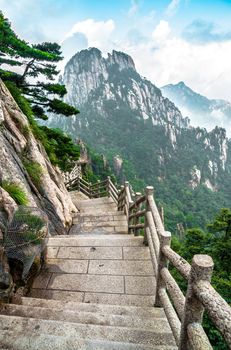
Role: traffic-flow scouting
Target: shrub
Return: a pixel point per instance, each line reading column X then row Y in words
column 60, row 148
column 16, row 192
column 34, row 170
column 32, row 224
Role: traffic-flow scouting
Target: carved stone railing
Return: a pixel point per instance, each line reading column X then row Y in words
column 184, row 313
column 76, row 172
column 96, row 190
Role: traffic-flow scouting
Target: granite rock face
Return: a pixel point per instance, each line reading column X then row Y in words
column 18, row 143
column 125, row 117
column 91, row 79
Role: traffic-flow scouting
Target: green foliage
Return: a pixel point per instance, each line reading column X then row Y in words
column 32, row 225
column 34, row 170
column 21, row 101
column 16, row 192
column 97, row 169
column 58, row 106
column 60, row 148
column 149, row 158
column 38, row 61
column 216, row 242
column 221, row 247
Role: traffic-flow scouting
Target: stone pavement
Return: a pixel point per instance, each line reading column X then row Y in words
column 95, row 293
column 97, row 268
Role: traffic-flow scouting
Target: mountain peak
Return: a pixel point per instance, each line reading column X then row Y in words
column 92, row 57
column 202, row 111
column 122, row 59
column 181, row 84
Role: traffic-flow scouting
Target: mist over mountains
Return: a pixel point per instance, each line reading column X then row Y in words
column 203, row 112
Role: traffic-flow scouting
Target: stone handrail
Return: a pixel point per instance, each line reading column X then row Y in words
column 184, row 312
column 96, row 190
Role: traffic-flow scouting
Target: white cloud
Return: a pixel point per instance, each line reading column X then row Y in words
column 134, row 8
column 172, row 7
column 97, row 33
column 205, row 68
column 161, row 31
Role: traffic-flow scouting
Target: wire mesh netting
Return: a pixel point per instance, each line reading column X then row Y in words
column 26, row 235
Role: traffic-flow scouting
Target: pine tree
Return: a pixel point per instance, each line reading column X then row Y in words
column 36, row 63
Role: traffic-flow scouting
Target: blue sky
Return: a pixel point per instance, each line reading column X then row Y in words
column 169, row 40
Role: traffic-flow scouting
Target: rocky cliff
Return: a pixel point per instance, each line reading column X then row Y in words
column 124, row 116
column 18, row 147
column 92, row 80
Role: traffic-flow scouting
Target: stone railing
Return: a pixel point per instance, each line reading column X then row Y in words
column 184, row 313
column 76, row 172
column 96, row 190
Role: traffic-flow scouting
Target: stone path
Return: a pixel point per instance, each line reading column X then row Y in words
column 98, row 216
column 96, row 291
column 99, row 268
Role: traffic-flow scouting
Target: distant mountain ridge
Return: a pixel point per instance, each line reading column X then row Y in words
column 126, row 118
column 202, row 111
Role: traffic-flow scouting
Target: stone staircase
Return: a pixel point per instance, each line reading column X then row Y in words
column 98, row 216
column 96, row 292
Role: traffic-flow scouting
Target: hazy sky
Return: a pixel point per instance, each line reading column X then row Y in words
column 170, row 41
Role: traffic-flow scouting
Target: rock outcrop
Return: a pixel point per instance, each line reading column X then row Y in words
column 125, row 116
column 121, row 110
column 92, row 80
column 18, row 143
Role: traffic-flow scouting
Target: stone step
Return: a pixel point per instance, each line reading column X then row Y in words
column 115, row 215
column 77, row 195
column 49, row 342
column 89, row 236
column 103, row 229
column 99, row 211
column 101, row 267
column 112, row 284
column 99, row 230
column 74, row 316
column 86, row 204
column 96, row 241
column 16, row 325
column 89, row 218
column 94, row 204
column 96, row 298
column 144, row 312
column 97, row 201
column 99, row 223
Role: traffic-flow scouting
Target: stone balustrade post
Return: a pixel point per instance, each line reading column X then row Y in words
column 201, row 269
column 149, row 192
column 162, row 214
column 120, row 199
column 98, row 190
column 137, row 208
column 165, row 240
column 108, row 185
column 126, row 202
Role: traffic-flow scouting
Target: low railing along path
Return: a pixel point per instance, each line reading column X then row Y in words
column 184, row 312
